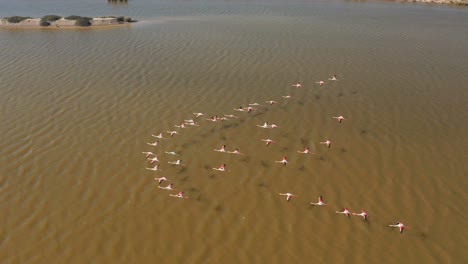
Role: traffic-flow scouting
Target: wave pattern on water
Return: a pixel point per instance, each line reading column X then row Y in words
column 80, row 106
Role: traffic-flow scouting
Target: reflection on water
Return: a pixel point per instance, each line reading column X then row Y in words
column 79, row 107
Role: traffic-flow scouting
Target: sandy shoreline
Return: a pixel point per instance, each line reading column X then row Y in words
column 35, row 23
column 66, row 27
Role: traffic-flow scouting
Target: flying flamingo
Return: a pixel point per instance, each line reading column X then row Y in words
column 297, row 85
column 169, row 187
column 221, row 168
column 172, row 133
column 213, row 118
column 154, row 159
column 155, row 168
column 320, row 201
column 363, row 214
column 160, row 180
column 148, row 153
column 222, row 149
column 179, row 195
column 320, row 83
column 236, row 151
column 160, row 135
column 284, row 161
column 154, row 143
column 306, row 151
column 288, row 196
column 339, row 118
column 400, row 225
column 268, row 141
column 333, row 78
column 327, row 142
column 345, row 211
column 177, row 162
column 198, row 114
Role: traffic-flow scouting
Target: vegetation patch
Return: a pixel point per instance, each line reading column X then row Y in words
column 44, row 23
column 50, row 18
column 16, row 19
column 72, row 17
column 83, row 21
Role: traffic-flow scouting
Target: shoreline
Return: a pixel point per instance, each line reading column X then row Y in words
column 63, row 23
column 64, row 27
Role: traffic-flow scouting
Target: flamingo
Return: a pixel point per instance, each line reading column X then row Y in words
column 306, row 151
column 155, row 168
column 345, row 211
column 339, row 118
column 160, row 135
column 172, row 133
column 400, row 226
column 177, row 162
column 160, row 180
column 363, row 214
column 284, row 161
column 168, row 187
column 148, row 153
column 268, row 141
column 288, row 196
column 154, row 143
column 221, row 168
column 320, row 201
column 297, row 85
column 320, row 83
column 327, row 142
column 222, row 149
column 154, row 159
column 179, row 195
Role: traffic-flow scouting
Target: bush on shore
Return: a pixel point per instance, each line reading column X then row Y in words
column 16, row 19
column 83, row 22
column 44, row 23
column 72, row 17
column 50, row 18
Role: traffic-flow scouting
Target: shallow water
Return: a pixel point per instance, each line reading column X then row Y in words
column 79, row 106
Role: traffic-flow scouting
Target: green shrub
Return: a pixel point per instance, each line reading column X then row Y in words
column 72, row 17
column 83, row 22
column 16, row 19
column 44, row 23
column 120, row 19
column 128, row 19
column 50, row 18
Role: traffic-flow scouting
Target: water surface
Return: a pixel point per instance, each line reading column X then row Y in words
column 79, row 106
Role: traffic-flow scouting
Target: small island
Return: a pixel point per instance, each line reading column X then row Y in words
column 55, row 21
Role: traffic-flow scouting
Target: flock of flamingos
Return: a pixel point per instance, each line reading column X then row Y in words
column 153, row 158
